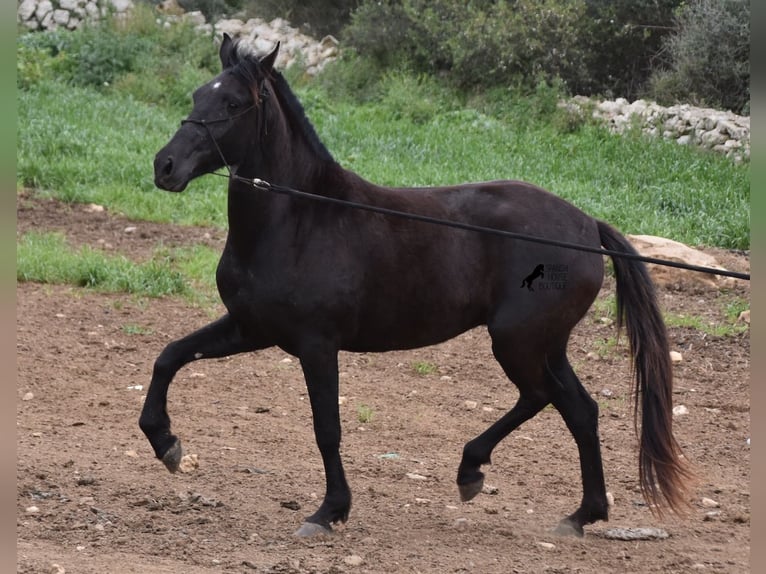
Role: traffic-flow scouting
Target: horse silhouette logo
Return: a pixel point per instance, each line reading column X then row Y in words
column 538, row 272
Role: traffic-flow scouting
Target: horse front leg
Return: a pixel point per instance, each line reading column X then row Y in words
column 218, row 339
column 320, row 369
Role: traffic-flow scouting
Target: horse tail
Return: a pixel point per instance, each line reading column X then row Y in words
column 663, row 473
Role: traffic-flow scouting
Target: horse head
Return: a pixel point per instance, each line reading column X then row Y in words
column 226, row 121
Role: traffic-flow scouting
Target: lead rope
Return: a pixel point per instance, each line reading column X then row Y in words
column 263, row 185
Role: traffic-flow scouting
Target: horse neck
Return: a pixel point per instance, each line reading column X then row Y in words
column 285, row 159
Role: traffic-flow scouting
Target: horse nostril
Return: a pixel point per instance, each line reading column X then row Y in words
column 168, row 167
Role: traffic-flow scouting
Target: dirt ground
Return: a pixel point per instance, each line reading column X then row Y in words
column 91, row 497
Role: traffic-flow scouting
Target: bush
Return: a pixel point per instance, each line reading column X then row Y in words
column 481, row 44
column 622, row 39
column 708, row 57
column 133, row 55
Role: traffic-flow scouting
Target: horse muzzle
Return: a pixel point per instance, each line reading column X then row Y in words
column 166, row 173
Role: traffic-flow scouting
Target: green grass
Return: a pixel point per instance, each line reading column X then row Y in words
column 80, row 145
column 424, row 368
column 83, row 145
column 46, row 258
column 365, row 413
column 83, row 140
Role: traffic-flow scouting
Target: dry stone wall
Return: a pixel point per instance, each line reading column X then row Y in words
column 720, row 131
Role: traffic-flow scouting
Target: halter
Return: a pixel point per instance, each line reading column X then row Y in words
column 264, row 96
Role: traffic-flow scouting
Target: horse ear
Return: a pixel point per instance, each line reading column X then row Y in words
column 227, row 52
column 268, row 61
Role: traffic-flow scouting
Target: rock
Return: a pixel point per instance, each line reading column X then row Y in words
column 680, row 410
column 546, row 545
column 635, row 534
column 353, row 560
column 28, row 397
column 26, row 10
column 32, row 510
column 57, row 569
column 669, row 250
column 744, row 317
column 676, row 357
column 709, row 503
column 610, row 499
column 415, row 476
column 189, row 463
column 460, row 523
column 470, row 405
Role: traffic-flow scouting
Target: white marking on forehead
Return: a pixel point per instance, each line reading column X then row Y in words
column 216, row 85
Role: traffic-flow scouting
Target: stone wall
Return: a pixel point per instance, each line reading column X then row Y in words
column 719, row 131
column 69, row 14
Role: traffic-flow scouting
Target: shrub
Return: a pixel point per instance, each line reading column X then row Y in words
column 622, row 39
column 482, row 43
column 708, row 57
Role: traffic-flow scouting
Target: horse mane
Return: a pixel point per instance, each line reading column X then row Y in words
column 246, row 57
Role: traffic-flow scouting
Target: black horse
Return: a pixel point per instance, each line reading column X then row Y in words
column 314, row 279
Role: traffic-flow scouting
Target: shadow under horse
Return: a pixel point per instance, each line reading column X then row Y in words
column 314, row 279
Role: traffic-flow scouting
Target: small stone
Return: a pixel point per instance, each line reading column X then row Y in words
column 680, row 410
column 286, row 361
column 57, row 569
column 676, row 357
column 709, row 503
column 744, row 317
column 189, row 463
column 470, row 405
column 610, row 499
column 130, row 229
column 131, row 453
column 460, row 523
column 342, row 400
column 423, row 501
column 635, row 534
column 546, row 545
column 32, row 510
column 28, row 397
column 94, row 208
column 607, row 393
column 353, row 560
column 487, row 489
column 593, row 356
column 415, row 476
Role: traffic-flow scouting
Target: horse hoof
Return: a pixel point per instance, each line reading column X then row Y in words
column 172, row 458
column 568, row 528
column 310, row 529
column 469, row 491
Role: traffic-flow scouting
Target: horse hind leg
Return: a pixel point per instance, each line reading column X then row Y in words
column 470, row 479
column 532, row 399
column 580, row 413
